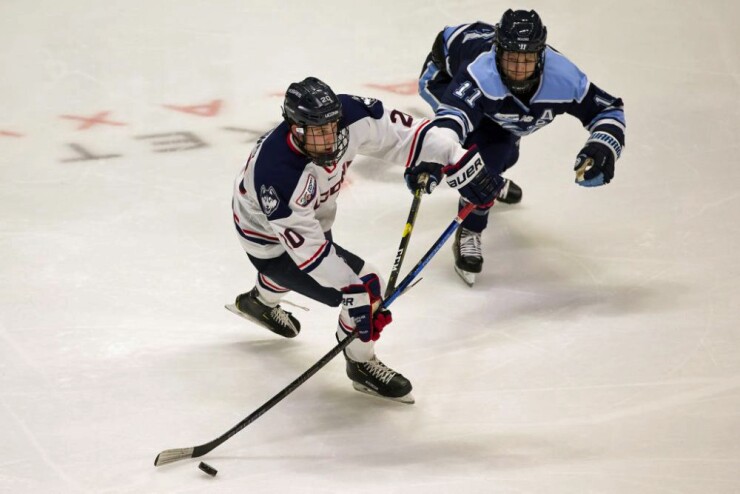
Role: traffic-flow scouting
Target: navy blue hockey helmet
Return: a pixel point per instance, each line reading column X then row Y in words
column 520, row 31
column 312, row 103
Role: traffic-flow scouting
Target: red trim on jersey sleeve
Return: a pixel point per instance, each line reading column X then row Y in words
column 413, row 143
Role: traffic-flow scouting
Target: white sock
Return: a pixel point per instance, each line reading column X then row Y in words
column 358, row 350
column 270, row 293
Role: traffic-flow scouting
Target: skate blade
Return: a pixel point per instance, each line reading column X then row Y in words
column 407, row 399
column 467, row 277
column 235, row 310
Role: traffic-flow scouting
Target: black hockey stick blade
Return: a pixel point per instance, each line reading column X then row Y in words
column 172, row 455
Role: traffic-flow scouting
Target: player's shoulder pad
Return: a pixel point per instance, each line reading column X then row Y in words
column 356, row 108
column 484, row 72
column 277, row 171
column 449, row 33
column 464, row 33
column 562, row 80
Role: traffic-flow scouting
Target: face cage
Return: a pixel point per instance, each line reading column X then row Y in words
column 524, row 85
column 324, row 159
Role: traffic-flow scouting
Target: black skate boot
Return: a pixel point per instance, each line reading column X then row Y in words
column 510, row 193
column 375, row 378
column 275, row 319
column 468, row 256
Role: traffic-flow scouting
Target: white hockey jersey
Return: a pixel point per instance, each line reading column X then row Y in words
column 283, row 202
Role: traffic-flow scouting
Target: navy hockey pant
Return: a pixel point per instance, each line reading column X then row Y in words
column 283, row 270
column 499, row 149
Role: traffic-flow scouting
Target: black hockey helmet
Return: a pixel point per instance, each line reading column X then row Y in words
column 520, row 31
column 312, row 103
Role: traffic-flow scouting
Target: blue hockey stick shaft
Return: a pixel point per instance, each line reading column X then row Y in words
column 428, row 256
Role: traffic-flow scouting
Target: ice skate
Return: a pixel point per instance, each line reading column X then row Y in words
column 375, row 378
column 468, row 256
column 277, row 320
column 510, row 193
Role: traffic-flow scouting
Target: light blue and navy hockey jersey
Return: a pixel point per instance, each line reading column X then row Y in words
column 466, row 88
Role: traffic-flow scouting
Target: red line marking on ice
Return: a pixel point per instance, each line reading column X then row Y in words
column 8, row 133
column 405, row 88
column 206, row 110
column 98, row 118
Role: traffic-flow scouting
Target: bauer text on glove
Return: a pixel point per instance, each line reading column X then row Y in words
column 472, row 179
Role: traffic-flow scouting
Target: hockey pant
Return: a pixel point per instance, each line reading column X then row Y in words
column 280, row 275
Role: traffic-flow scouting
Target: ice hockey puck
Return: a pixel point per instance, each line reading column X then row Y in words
column 208, row 469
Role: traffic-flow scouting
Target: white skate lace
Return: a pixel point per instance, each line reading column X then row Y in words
column 470, row 244
column 293, row 304
column 282, row 317
column 380, row 370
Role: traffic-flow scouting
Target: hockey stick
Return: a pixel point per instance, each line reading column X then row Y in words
column 172, row 455
column 430, row 253
column 405, row 238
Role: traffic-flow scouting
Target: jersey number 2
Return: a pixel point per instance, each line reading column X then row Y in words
column 405, row 118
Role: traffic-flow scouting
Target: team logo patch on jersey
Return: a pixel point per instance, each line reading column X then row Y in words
column 309, row 192
column 269, row 200
column 365, row 101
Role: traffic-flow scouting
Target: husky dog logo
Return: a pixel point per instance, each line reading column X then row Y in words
column 269, row 200
column 309, row 192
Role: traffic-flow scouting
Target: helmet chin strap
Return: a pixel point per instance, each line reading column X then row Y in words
column 299, row 143
column 523, row 87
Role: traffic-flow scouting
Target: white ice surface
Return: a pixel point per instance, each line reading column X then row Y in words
column 598, row 353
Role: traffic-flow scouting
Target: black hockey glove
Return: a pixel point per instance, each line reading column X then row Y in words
column 595, row 163
column 472, row 179
column 425, row 176
column 361, row 304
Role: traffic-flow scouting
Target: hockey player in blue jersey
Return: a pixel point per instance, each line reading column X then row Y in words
column 285, row 202
column 491, row 85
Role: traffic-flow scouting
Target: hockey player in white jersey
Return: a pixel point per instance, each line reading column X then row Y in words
column 491, row 85
column 284, row 205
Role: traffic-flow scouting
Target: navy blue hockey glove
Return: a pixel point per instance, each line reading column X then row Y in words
column 425, row 176
column 361, row 303
column 472, row 179
column 595, row 163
